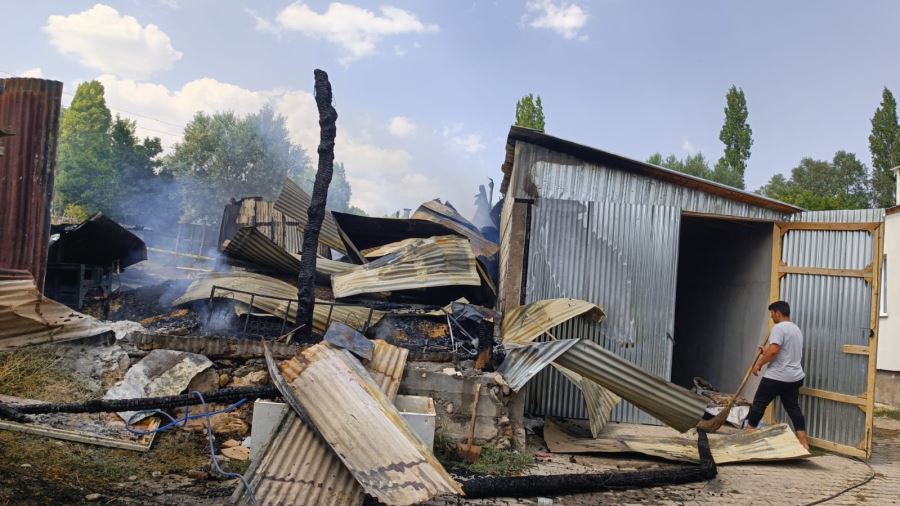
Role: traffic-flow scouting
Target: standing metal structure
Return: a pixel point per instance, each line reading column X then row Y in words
column 30, row 109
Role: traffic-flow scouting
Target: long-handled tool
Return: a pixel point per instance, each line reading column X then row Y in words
column 471, row 452
column 714, row 423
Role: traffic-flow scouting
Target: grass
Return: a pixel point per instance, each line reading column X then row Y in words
column 33, row 372
column 891, row 413
column 492, row 461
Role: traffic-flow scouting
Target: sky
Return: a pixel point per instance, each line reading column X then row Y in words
column 426, row 91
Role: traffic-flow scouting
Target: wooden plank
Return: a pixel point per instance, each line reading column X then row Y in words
column 856, row 349
column 833, row 396
column 818, row 271
column 141, row 445
column 838, row 448
column 511, row 280
column 847, row 227
column 874, row 320
column 774, row 294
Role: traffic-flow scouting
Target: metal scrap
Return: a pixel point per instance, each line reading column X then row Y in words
column 342, row 336
column 523, row 324
column 598, row 400
column 522, row 364
column 251, row 248
column 294, row 202
column 447, row 216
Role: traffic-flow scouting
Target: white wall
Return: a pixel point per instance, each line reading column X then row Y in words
column 889, row 326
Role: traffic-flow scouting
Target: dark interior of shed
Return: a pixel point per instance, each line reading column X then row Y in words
column 724, row 271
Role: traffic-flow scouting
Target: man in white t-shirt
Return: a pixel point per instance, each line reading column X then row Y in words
column 784, row 373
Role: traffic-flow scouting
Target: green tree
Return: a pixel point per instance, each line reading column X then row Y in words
column 339, row 191
column 224, row 156
column 695, row 165
column 884, row 144
column 842, row 183
column 737, row 137
column 530, row 112
column 86, row 174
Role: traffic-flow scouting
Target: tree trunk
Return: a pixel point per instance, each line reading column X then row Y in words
column 306, row 291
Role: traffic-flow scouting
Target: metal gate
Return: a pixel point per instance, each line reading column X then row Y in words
column 829, row 273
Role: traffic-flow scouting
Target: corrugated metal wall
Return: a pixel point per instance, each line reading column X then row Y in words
column 541, row 173
column 840, row 216
column 621, row 256
column 30, row 108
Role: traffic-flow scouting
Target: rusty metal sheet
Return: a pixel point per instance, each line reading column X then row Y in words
column 598, row 400
column 523, row 363
column 364, row 428
column 250, row 247
column 673, row 405
column 445, row 215
column 294, row 202
column 345, row 337
column 773, row 443
column 523, row 324
column 432, row 262
column 298, row 466
column 27, row 317
column 200, row 288
column 387, row 249
column 31, row 109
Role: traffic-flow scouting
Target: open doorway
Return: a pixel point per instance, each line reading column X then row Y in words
column 724, row 273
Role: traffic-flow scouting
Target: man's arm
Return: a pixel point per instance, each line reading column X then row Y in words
column 768, row 355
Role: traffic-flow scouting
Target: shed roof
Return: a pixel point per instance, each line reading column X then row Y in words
column 612, row 160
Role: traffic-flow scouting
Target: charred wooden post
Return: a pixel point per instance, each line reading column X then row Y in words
column 316, row 212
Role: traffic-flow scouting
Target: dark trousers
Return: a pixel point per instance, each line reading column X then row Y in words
column 790, row 399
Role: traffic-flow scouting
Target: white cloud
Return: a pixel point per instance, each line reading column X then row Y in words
column 400, row 126
column 564, row 18
column 456, row 140
column 100, row 38
column 399, row 50
column 262, row 24
column 35, row 72
column 377, row 175
column 687, row 146
column 172, row 4
column 355, row 29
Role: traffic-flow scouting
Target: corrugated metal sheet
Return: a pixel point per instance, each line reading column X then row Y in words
column 98, row 240
column 249, row 246
column 773, row 443
column 599, row 401
column 200, row 288
column 380, row 251
column 31, row 109
column 841, row 216
column 542, row 173
column 364, row 428
column 621, row 256
column 524, row 324
column 831, row 311
column 675, row 406
column 300, row 468
column 27, row 317
column 440, row 213
column 294, row 202
column 521, row 364
column 437, row 261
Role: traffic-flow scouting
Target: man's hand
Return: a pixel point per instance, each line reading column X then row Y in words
column 756, row 368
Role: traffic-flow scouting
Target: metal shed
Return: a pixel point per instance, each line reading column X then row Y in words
column 685, row 269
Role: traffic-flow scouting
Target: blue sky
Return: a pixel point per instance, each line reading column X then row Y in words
column 426, row 91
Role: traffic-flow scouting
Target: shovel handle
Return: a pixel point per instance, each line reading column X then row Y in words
column 749, row 370
column 474, row 412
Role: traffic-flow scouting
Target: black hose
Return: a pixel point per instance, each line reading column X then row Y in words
column 141, row 404
column 563, row 484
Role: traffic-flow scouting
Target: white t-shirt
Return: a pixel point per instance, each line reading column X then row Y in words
column 786, row 365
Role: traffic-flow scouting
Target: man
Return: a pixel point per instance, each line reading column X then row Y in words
column 784, row 374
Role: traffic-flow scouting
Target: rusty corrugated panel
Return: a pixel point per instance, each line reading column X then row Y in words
column 294, row 202
column 27, row 317
column 673, row 405
column 30, row 108
column 249, row 246
column 524, row 324
column 522, row 363
column 437, row 261
column 200, row 288
column 599, row 401
column 773, row 443
column 298, row 467
column 445, row 215
column 364, row 428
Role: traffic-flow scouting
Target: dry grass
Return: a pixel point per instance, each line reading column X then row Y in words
column 33, row 373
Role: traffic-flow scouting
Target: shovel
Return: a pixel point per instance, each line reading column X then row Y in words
column 470, row 452
column 715, row 423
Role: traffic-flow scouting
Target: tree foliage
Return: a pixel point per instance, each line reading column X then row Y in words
column 884, row 144
column 737, row 137
column 86, row 174
column 695, row 165
column 842, row 183
column 530, row 112
column 224, row 156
